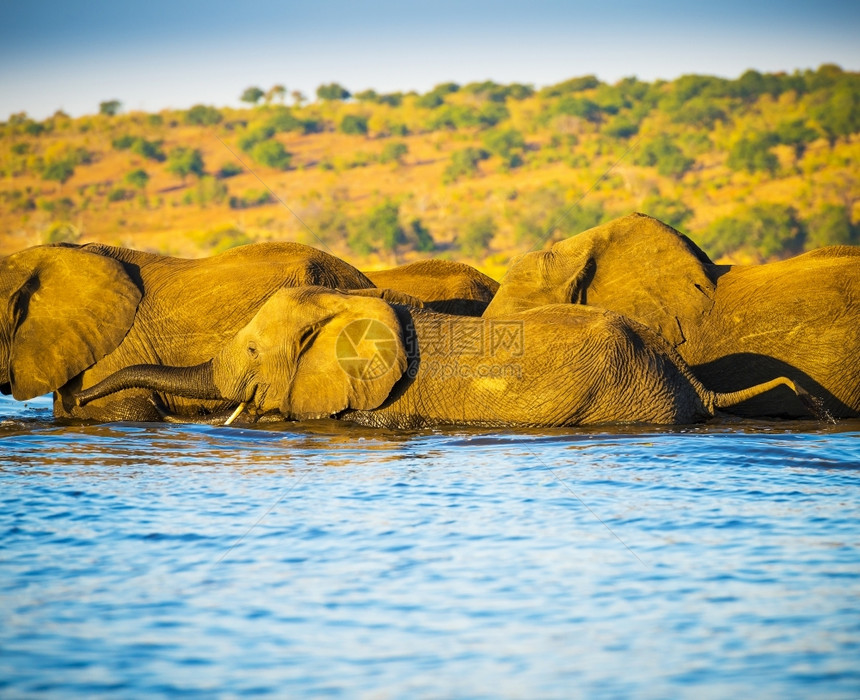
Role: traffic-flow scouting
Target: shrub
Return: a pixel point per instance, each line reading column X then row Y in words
column 508, row 145
column 354, row 124
column 252, row 95
column 124, row 142
column 221, row 238
column 255, row 134
column 229, row 169
column 430, row 101
column 332, row 91
column 546, row 212
column 61, row 232
column 203, row 115
column 272, row 154
column 464, row 163
column 578, row 107
column 393, row 152
column 586, row 82
column 621, row 128
column 831, row 225
column 419, row 236
column 110, row 107
column 58, row 170
column 207, row 191
column 796, row 134
column 184, row 161
column 140, row 146
column 119, row 194
column 251, row 198
column 476, row 236
column 663, row 153
column 137, row 178
column 753, row 154
column 766, row 229
column 670, row 211
column 378, row 230
column 284, row 120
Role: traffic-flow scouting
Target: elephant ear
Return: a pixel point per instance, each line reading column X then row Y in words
column 350, row 354
column 67, row 309
column 644, row 269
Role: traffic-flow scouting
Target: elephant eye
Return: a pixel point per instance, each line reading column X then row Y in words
column 252, row 350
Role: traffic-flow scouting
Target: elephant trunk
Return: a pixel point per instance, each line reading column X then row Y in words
column 813, row 404
column 195, row 382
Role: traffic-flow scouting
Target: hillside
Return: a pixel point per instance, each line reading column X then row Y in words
column 752, row 169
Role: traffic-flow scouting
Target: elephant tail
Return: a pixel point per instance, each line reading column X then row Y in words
column 812, row 404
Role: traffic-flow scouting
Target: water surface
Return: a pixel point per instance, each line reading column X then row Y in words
column 308, row 560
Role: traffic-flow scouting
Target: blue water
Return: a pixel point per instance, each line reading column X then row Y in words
column 326, row 561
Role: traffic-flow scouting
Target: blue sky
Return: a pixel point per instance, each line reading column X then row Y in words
column 159, row 53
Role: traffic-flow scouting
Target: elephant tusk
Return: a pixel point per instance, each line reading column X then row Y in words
column 235, row 414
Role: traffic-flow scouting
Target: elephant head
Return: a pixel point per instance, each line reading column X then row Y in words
column 63, row 310
column 309, row 352
column 635, row 265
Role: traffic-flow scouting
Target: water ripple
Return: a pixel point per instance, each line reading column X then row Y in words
column 318, row 559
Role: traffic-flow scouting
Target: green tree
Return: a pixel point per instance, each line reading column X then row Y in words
column 59, row 170
column 666, row 155
column 766, row 229
column 61, row 232
column 137, row 178
column 839, row 114
column 431, row 100
column 578, row 107
column 148, row 149
column 229, row 169
column 753, row 154
column 332, row 91
column 203, row 115
column 110, row 107
column 278, row 92
column 464, row 163
column 476, row 236
column 508, row 144
column 299, row 98
column 796, row 134
column 252, row 95
column 831, row 225
column 354, row 124
column 272, row 154
column 366, row 96
column 586, row 82
column 254, row 134
column 419, row 236
column 392, row 99
column 251, row 198
column 670, row 211
column 184, row 161
column 378, row 231
column 393, row 151
column 621, row 127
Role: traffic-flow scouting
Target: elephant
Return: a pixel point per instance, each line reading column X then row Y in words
column 312, row 352
column 442, row 285
column 734, row 325
column 72, row 315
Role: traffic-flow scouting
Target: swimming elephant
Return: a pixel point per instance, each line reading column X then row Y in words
column 72, row 315
column 443, row 285
column 312, row 353
column 734, row 325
